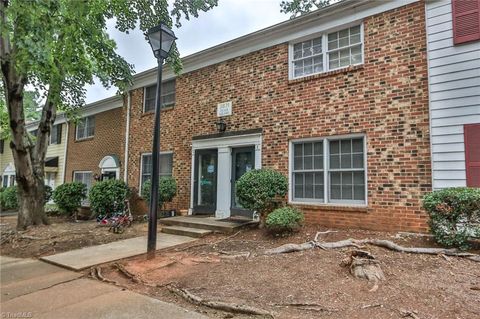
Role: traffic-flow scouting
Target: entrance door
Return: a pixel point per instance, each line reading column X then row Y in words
column 243, row 160
column 205, row 188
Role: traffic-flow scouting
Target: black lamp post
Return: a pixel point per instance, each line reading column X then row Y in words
column 161, row 39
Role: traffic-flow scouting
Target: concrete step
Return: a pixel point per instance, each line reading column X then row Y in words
column 207, row 223
column 186, row 231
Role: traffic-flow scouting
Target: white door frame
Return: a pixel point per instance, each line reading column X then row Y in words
column 224, row 146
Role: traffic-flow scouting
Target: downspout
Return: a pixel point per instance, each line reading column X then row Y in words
column 65, row 152
column 127, row 137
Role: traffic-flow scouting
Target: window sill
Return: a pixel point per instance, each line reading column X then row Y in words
column 84, row 139
column 164, row 109
column 326, row 74
column 332, row 207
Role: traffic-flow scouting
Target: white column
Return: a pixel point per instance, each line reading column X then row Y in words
column 224, row 190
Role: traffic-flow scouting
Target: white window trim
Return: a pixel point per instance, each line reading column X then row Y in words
column 85, row 137
column 141, row 168
column 51, row 135
column 326, row 169
column 85, row 202
column 145, row 96
column 324, row 36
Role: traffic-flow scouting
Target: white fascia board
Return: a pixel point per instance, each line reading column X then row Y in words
column 319, row 21
column 101, row 106
column 59, row 119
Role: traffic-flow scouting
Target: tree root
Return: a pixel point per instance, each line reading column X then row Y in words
column 358, row 243
column 307, row 306
column 127, row 273
column 218, row 305
column 96, row 273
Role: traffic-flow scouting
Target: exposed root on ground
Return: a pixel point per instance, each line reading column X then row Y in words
column 362, row 264
column 218, row 305
column 307, row 306
column 96, row 272
column 358, row 243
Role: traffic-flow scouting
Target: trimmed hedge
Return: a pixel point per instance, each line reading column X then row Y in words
column 69, row 196
column 454, row 215
column 285, row 219
column 8, row 197
column 167, row 189
column 108, row 196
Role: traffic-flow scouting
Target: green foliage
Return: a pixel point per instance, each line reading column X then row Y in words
column 301, row 7
column 51, row 209
column 285, row 219
column 108, row 196
column 68, row 197
column 167, row 189
column 9, row 198
column 454, row 215
column 258, row 189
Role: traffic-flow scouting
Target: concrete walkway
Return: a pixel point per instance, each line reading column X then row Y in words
column 35, row 289
column 90, row 256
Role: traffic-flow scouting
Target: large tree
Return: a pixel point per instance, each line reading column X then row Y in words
column 299, row 7
column 57, row 47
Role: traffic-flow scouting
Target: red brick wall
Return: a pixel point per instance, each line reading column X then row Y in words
column 386, row 99
column 109, row 139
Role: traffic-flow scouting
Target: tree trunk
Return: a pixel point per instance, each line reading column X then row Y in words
column 31, row 205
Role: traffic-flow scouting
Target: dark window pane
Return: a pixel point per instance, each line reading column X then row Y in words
column 297, row 150
column 307, row 149
column 318, row 162
column 359, row 192
column 318, row 148
column 357, row 160
column 334, row 147
column 357, row 145
column 346, row 146
column 359, row 178
column 298, row 177
column 318, row 191
column 347, row 178
column 335, row 178
column 308, row 185
column 347, row 192
column 346, row 161
column 334, row 161
column 335, row 192
column 308, row 162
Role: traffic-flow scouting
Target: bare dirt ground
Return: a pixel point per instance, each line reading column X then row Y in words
column 309, row 284
column 62, row 235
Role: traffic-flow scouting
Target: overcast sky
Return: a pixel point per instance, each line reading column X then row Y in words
column 229, row 20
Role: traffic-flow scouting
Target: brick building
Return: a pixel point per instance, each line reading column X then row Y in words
column 337, row 100
column 96, row 142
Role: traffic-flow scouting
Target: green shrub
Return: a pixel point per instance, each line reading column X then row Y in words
column 259, row 189
column 167, row 189
column 69, row 196
column 108, row 196
column 283, row 220
column 51, row 209
column 454, row 215
column 9, row 198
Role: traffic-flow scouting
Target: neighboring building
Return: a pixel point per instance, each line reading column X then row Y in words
column 453, row 32
column 96, row 142
column 54, row 160
column 337, row 100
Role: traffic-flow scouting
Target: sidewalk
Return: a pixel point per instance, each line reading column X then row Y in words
column 34, row 289
column 90, row 256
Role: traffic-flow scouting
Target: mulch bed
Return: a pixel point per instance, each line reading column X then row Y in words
column 308, row 284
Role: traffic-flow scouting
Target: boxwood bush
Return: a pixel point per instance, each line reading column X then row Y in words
column 284, row 220
column 258, row 190
column 108, row 196
column 9, row 198
column 69, row 196
column 167, row 189
column 454, row 215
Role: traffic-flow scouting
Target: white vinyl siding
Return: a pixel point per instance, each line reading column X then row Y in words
column 85, row 128
column 328, row 170
column 327, row 52
column 167, row 98
column 454, row 85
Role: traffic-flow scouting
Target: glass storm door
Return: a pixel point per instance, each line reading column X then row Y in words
column 205, row 188
column 243, row 160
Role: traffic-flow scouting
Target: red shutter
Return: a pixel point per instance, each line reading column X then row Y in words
column 472, row 154
column 466, row 20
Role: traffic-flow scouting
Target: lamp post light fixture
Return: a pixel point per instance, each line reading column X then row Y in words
column 161, row 39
